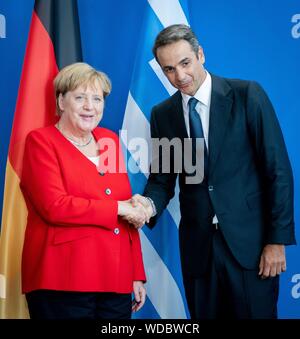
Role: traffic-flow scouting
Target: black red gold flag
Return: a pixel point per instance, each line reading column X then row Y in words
column 53, row 42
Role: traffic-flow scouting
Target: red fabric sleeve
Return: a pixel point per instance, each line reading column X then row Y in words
column 43, row 185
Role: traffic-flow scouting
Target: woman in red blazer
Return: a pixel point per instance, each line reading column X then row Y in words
column 81, row 258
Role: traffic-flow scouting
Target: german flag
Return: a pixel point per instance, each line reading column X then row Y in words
column 53, row 42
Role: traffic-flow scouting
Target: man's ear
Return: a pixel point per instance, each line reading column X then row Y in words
column 201, row 55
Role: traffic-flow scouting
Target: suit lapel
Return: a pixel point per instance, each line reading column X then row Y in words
column 220, row 111
column 178, row 123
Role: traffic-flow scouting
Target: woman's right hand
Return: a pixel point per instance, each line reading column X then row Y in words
column 135, row 215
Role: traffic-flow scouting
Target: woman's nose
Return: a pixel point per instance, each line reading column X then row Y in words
column 88, row 103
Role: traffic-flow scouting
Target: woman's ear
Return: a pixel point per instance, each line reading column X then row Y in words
column 60, row 100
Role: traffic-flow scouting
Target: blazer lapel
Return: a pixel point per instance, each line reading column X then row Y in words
column 178, row 122
column 220, row 110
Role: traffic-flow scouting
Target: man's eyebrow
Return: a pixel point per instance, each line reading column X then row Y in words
column 184, row 60
column 168, row 67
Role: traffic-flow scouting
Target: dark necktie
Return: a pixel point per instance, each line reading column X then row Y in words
column 196, row 131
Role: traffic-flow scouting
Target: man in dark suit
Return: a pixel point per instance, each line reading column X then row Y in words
column 236, row 222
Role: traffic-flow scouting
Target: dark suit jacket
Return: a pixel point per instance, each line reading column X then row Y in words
column 250, row 182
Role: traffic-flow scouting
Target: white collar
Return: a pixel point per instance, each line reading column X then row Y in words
column 203, row 94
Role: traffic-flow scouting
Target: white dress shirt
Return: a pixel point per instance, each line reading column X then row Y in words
column 95, row 160
column 203, row 95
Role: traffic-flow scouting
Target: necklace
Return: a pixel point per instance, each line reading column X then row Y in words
column 73, row 141
column 78, row 144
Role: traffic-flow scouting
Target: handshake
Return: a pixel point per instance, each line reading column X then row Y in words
column 137, row 211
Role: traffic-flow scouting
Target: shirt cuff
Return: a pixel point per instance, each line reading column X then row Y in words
column 153, row 206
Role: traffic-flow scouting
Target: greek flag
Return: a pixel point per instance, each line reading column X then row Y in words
column 149, row 86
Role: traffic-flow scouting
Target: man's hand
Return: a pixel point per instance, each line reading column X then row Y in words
column 272, row 261
column 135, row 215
column 139, row 200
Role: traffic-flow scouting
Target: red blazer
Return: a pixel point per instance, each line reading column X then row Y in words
column 74, row 240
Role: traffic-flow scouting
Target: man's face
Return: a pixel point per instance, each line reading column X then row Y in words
column 183, row 68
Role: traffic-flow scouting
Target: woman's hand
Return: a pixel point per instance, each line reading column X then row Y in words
column 139, row 295
column 135, row 215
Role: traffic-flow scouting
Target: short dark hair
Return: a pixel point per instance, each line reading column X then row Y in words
column 173, row 34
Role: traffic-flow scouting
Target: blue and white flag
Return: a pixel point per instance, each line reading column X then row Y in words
column 149, row 86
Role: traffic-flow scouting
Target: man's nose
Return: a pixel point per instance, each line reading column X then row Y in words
column 180, row 75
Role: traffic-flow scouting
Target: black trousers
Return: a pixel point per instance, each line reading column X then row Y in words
column 49, row 304
column 228, row 291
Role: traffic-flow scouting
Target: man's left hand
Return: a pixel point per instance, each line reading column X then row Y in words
column 272, row 261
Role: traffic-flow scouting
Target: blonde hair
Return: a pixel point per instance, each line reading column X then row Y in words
column 78, row 74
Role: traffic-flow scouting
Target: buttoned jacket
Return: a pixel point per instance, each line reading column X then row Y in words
column 74, row 239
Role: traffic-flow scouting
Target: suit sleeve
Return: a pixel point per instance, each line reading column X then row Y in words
column 160, row 186
column 42, row 185
column 273, row 159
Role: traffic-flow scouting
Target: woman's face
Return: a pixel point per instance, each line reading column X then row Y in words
column 82, row 109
